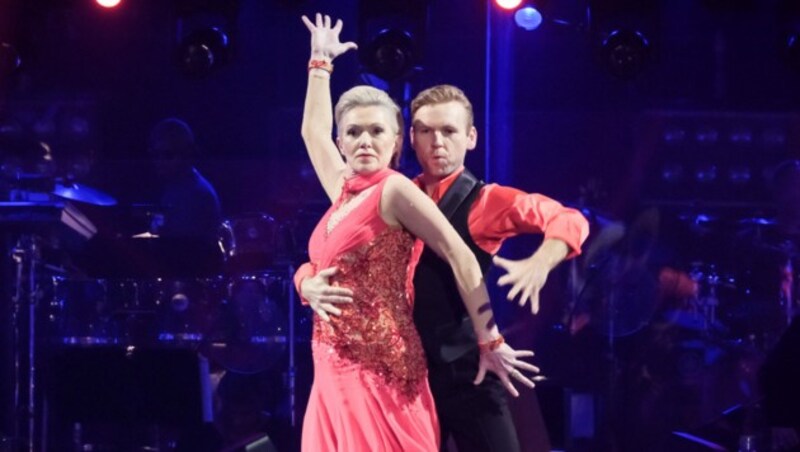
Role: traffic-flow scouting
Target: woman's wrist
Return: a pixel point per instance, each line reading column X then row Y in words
column 487, row 334
column 320, row 66
column 490, row 345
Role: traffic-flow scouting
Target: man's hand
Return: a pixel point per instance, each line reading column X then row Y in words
column 325, row 39
column 506, row 364
column 527, row 276
column 322, row 296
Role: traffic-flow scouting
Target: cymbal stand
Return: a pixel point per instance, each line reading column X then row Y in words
column 26, row 255
column 710, row 301
column 292, row 371
column 787, row 286
column 609, row 421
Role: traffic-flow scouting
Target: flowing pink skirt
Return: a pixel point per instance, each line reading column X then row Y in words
column 352, row 409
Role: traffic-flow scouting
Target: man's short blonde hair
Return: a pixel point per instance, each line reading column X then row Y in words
column 441, row 94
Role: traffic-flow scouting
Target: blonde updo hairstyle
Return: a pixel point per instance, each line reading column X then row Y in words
column 368, row 96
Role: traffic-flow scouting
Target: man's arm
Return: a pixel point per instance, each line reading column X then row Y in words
column 503, row 212
column 317, row 292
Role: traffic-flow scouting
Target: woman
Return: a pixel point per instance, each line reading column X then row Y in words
column 370, row 389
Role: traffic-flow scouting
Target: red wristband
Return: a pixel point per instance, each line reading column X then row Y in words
column 492, row 345
column 321, row 64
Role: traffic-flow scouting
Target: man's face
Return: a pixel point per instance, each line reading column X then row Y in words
column 168, row 158
column 441, row 138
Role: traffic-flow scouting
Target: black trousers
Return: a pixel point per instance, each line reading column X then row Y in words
column 477, row 417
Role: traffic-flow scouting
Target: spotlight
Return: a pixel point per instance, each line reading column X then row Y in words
column 9, row 60
column 508, row 4
column 625, row 53
column 391, row 55
column 528, row 18
column 203, row 50
column 108, row 3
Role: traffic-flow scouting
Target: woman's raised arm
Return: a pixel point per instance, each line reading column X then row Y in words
column 317, row 128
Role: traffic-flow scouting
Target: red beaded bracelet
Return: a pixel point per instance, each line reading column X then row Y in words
column 321, row 64
column 492, row 345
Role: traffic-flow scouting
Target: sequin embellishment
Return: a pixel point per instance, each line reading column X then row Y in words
column 377, row 331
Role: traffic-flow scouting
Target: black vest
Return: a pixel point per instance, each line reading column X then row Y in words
column 439, row 312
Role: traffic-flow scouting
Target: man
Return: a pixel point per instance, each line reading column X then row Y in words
column 189, row 213
column 442, row 131
column 190, row 206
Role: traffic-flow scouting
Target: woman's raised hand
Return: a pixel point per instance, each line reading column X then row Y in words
column 325, row 42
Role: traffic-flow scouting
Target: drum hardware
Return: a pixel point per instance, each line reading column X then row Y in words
column 180, row 313
column 33, row 226
column 291, row 373
column 249, row 331
column 100, row 312
column 706, row 301
column 222, row 312
column 83, row 193
column 185, row 309
column 248, row 242
column 26, row 256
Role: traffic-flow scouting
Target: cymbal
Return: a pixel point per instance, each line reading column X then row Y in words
column 83, row 193
column 757, row 221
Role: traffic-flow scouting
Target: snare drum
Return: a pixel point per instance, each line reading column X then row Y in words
column 248, row 242
column 185, row 309
column 249, row 332
column 89, row 312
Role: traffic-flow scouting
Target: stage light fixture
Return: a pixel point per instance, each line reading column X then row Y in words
column 508, row 4
column 108, row 3
column 626, row 53
column 528, row 18
column 390, row 55
column 203, row 51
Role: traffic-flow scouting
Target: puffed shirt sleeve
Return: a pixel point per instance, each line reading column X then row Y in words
column 501, row 212
column 304, row 271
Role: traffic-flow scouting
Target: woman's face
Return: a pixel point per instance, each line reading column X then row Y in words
column 368, row 138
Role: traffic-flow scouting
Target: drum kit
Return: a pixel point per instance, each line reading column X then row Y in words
column 686, row 304
column 241, row 318
column 735, row 279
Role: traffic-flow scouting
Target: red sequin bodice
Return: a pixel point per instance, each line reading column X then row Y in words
column 377, row 330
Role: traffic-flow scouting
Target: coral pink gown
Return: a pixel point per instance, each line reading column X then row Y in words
column 370, row 390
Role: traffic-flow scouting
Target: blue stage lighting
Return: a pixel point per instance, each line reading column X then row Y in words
column 528, row 18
